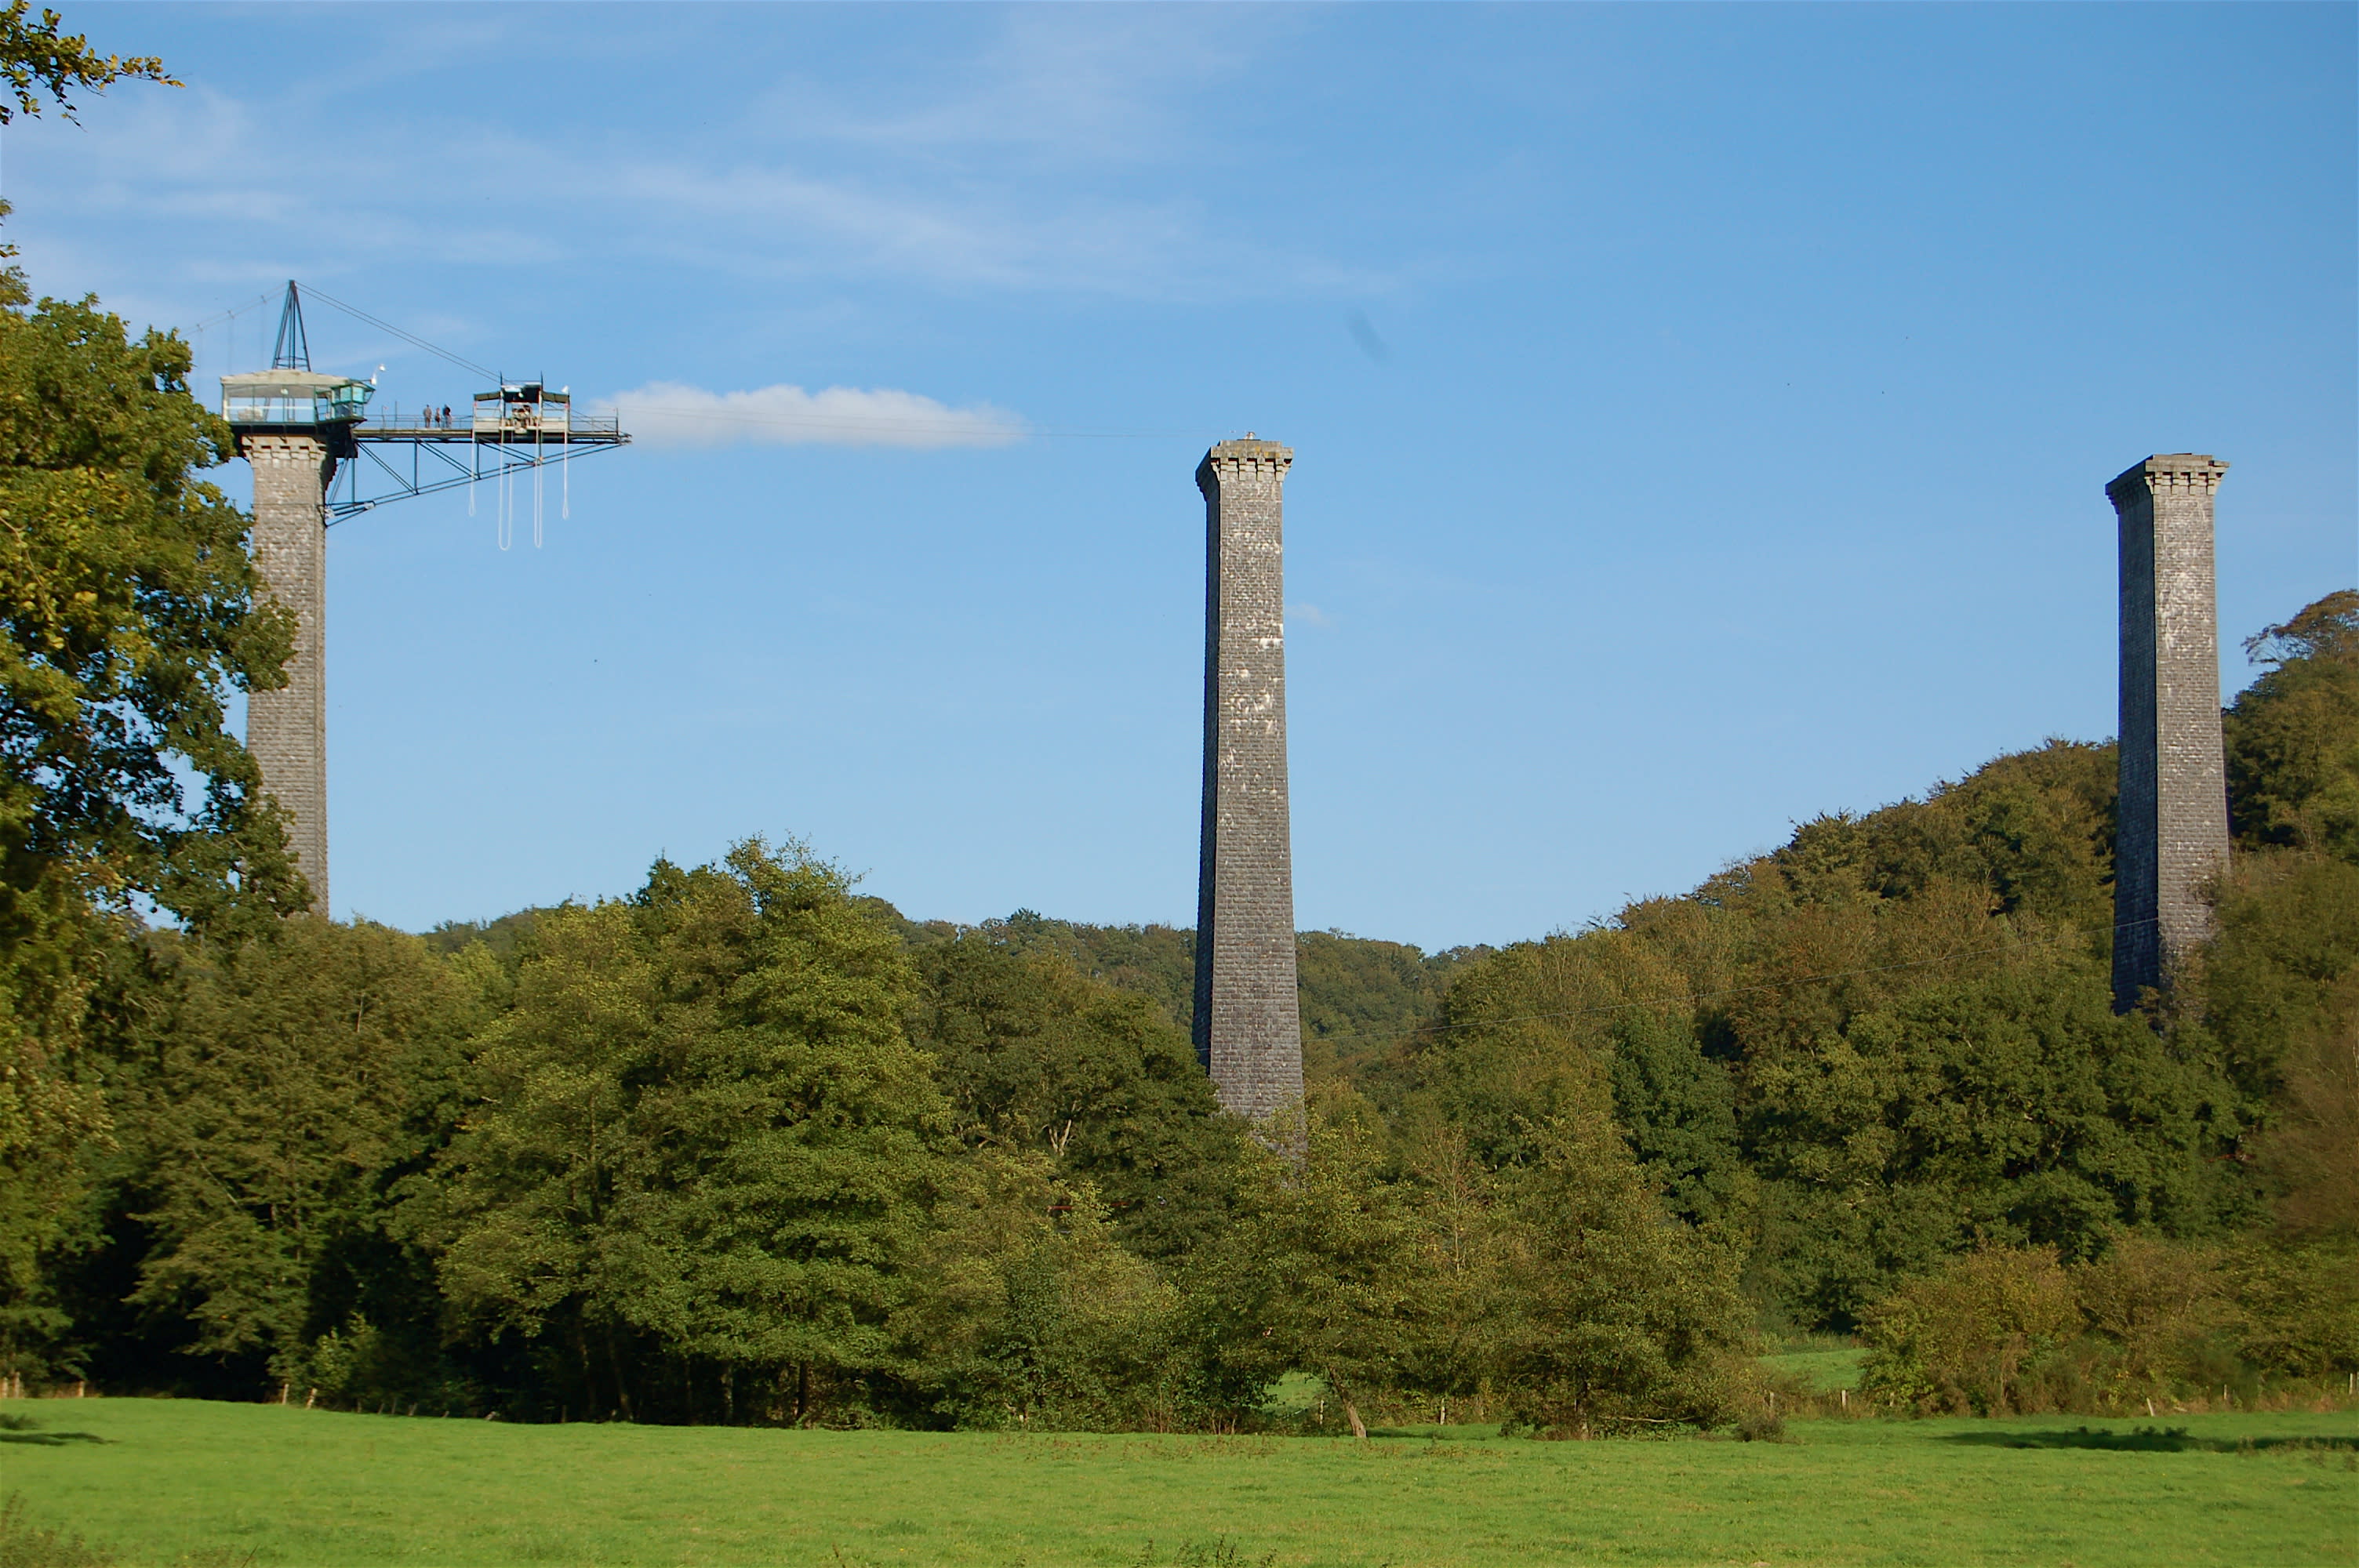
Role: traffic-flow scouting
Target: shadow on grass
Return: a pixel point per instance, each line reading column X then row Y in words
column 24, row 1429
column 2149, row 1440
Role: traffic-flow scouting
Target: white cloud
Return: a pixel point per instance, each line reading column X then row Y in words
column 666, row 413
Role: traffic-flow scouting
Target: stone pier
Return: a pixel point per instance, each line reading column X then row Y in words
column 2173, row 833
column 1248, row 1021
column 287, row 729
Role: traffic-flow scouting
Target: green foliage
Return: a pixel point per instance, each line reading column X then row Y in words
column 2029, row 834
column 1678, row 1108
column 1037, row 1056
column 2282, row 978
column 2309, row 1156
column 131, row 614
column 2015, row 1110
column 1962, row 1338
column 2300, row 1307
column 1621, row 1315
column 39, row 60
column 2154, row 1306
column 2012, row 1329
column 1155, row 961
column 1886, row 1041
column 1361, row 999
column 503, row 938
column 701, row 1126
column 2293, row 736
column 1029, row 1313
column 1322, row 1272
column 129, row 617
column 1524, row 1035
column 274, row 1084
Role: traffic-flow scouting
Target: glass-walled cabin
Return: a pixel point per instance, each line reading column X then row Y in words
column 294, row 397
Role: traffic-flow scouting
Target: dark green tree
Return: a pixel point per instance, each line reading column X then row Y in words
column 2013, row 1111
column 1025, row 1310
column 1035, row 1055
column 1324, row 1273
column 1619, row 1317
column 1678, row 1108
column 127, row 616
column 273, row 1091
column 703, row 1146
column 2293, row 735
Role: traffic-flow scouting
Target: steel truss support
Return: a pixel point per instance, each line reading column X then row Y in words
column 485, row 460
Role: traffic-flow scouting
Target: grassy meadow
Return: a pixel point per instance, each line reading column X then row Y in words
column 154, row 1481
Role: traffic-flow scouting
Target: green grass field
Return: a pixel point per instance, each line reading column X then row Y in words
column 1821, row 1371
column 183, row 1481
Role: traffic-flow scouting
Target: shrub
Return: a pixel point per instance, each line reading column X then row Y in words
column 1963, row 1338
column 2010, row 1329
column 2299, row 1308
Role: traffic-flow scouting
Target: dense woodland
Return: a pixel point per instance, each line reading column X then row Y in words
column 747, row 1146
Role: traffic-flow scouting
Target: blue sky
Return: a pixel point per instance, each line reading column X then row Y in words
column 1700, row 413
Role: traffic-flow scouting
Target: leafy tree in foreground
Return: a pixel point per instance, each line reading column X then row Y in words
column 702, row 1141
column 2015, row 1329
column 1965, row 1337
column 127, row 615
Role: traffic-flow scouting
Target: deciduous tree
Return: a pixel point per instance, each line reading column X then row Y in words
column 703, row 1128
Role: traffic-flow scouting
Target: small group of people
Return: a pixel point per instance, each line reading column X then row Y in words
column 434, row 421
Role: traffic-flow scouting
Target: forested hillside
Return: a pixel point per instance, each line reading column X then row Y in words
column 745, row 1146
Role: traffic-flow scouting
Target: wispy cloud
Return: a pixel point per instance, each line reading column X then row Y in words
column 1051, row 152
column 1104, row 86
column 667, row 413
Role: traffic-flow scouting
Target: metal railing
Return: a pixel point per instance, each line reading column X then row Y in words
column 516, row 422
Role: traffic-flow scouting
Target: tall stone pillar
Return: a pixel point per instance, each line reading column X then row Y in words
column 287, row 729
column 2173, row 831
column 1248, row 1019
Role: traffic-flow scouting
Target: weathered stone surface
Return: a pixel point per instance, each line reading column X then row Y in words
column 287, row 729
column 1248, row 1020
column 2173, row 833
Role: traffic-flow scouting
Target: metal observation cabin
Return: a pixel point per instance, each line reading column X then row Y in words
column 305, row 435
column 521, row 426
